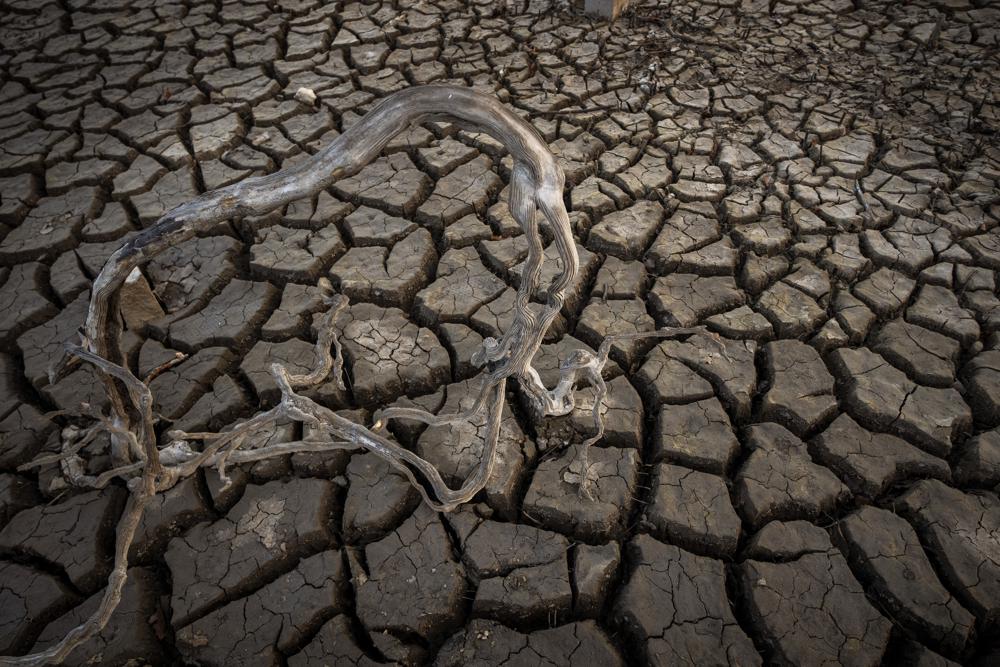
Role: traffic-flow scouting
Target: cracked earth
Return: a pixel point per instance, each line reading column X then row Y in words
column 817, row 183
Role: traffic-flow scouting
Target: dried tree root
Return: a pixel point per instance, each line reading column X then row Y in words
column 536, row 184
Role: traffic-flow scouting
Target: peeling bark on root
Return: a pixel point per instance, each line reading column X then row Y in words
column 536, row 184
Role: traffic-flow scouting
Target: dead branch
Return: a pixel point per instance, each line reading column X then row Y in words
column 536, row 184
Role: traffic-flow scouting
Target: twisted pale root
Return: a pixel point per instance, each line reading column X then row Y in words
column 536, row 185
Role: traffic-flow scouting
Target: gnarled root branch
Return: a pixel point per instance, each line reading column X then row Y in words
column 536, row 185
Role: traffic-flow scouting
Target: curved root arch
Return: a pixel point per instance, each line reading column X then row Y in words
column 536, row 184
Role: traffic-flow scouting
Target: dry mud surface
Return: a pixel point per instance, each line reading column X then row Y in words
column 816, row 182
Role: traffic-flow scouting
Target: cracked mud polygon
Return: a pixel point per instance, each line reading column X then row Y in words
column 817, row 183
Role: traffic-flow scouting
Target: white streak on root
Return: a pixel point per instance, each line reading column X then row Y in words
column 536, row 184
